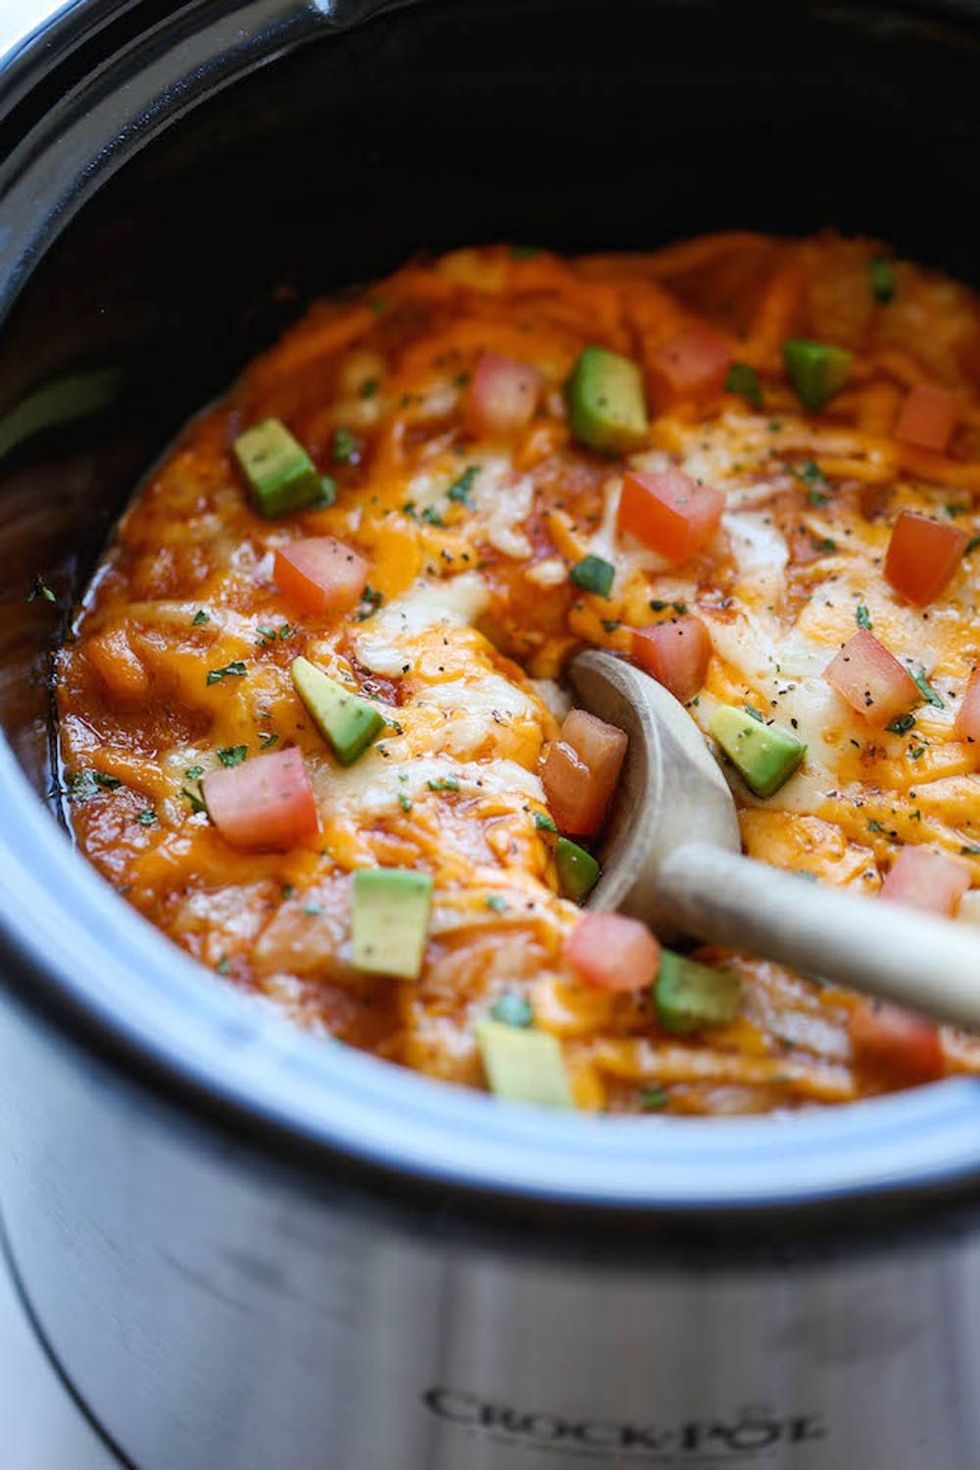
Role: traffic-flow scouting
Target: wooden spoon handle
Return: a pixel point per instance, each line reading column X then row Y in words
column 925, row 963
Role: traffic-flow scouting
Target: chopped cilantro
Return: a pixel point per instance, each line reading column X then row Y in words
column 680, row 608
column 750, row 709
column 146, row 818
column 611, row 624
column 443, row 783
column 345, row 447
column 432, row 516
column 460, row 489
column 266, row 742
column 652, row 1099
column 544, row 822
column 881, row 276
column 223, row 965
column 926, row 690
column 952, row 509
column 269, row 635
column 311, row 908
column 810, row 474
column 496, row 901
column 370, row 387
column 971, row 545
column 404, row 801
column 194, row 773
column 86, row 784
column 232, row 755
column 970, row 850
column 288, row 889
column 39, row 588
column 196, row 800
column 862, row 617
column 874, row 826
column 823, row 543
column 916, row 754
column 234, row 670
column 593, row 574
column 900, row 724
column 512, row 1010
column 200, row 618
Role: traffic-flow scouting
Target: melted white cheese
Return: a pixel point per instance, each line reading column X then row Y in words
column 386, row 644
column 478, row 710
column 376, row 786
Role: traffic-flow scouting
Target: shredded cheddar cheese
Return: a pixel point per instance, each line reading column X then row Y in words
column 182, row 652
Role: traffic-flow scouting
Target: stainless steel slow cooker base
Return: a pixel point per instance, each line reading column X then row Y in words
column 253, row 1321
column 252, row 1249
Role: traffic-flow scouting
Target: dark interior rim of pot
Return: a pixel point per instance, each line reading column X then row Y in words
column 75, row 951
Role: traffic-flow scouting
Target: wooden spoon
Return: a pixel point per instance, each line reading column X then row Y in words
column 672, row 857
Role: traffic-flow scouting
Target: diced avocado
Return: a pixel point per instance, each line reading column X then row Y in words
column 765, row 756
column 606, row 402
column 344, row 719
column 689, row 995
column 578, row 871
column 816, row 370
column 389, row 920
column 280, row 474
column 524, row 1066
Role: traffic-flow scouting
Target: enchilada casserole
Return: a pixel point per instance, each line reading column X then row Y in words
column 312, row 713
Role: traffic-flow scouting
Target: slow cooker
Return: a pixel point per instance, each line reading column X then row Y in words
column 243, row 1246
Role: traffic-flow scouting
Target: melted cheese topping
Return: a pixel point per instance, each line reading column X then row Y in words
column 478, row 618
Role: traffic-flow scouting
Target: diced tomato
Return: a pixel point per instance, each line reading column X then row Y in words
column 580, row 772
column 922, row 556
column 968, row 716
column 613, row 952
column 871, row 679
column 927, row 417
column 926, row 880
column 676, row 654
column 691, row 365
column 503, row 395
column 899, row 1047
column 321, row 575
column 669, row 512
column 266, row 803
column 567, row 782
